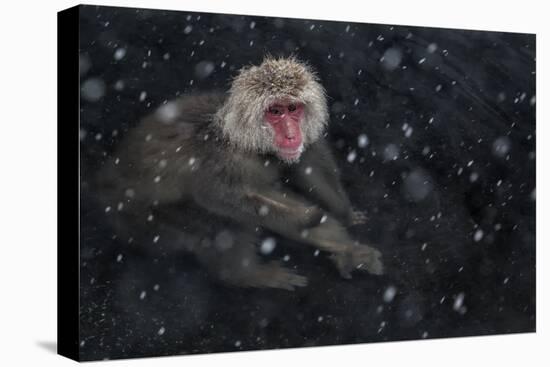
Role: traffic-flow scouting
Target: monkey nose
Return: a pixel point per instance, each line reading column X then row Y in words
column 289, row 131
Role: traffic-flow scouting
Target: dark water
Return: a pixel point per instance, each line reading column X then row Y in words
column 447, row 178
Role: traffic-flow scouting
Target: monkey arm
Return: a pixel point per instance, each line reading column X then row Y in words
column 273, row 209
column 294, row 218
column 330, row 197
column 317, row 177
column 285, row 207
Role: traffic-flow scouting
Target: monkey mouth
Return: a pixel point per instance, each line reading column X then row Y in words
column 290, row 154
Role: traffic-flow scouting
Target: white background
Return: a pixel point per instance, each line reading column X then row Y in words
column 28, row 183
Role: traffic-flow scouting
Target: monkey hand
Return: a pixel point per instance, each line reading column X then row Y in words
column 369, row 259
column 276, row 276
column 358, row 257
column 271, row 275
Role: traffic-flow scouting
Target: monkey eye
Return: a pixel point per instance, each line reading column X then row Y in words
column 275, row 111
column 291, row 107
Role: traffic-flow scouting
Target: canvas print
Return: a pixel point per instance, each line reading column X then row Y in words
column 250, row 183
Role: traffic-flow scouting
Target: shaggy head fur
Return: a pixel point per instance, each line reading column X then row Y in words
column 255, row 88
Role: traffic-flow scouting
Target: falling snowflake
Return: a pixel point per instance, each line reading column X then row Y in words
column 389, row 294
column 478, row 235
column 351, row 156
column 268, row 245
column 362, row 141
column 119, row 54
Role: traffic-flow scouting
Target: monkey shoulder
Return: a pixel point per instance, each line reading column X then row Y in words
column 315, row 155
column 183, row 126
column 319, row 148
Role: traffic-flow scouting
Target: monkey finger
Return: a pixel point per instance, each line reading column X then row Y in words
column 358, row 217
column 345, row 273
column 344, row 264
column 289, row 281
column 273, row 275
column 299, row 280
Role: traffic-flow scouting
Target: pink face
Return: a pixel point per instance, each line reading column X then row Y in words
column 285, row 118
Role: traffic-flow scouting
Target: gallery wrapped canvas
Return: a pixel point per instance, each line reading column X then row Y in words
column 249, row 183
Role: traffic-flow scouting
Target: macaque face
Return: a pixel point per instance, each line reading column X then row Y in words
column 285, row 118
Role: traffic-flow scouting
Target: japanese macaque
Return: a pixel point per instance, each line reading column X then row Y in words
column 210, row 173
